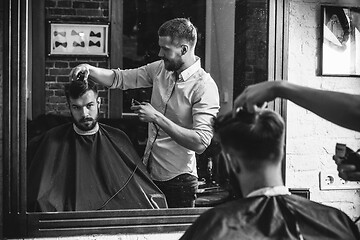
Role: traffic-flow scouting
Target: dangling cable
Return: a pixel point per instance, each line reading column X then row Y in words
column 125, row 184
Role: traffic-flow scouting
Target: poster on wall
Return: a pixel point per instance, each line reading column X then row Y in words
column 340, row 41
column 78, row 39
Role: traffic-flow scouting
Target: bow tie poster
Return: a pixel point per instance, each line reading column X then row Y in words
column 78, row 39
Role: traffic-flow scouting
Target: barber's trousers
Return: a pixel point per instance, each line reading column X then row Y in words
column 180, row 191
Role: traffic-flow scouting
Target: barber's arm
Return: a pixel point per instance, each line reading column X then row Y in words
column 117, row 78
column 340, row 108
column 99, row 75
column 187, row 138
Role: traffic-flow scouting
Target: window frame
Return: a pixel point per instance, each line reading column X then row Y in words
column 110, row 222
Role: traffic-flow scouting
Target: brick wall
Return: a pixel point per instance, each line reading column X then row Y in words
column 58, row 68
column 251, row 34
column 310, row 139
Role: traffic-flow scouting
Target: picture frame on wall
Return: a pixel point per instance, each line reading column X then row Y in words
column 340, row 54
column 78, row 39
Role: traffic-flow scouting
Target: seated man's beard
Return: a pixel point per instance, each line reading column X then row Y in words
column 86, row 123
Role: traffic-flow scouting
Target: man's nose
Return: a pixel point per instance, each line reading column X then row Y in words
column 85, row 112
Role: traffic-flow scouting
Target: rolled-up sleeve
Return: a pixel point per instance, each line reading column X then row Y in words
column 205, row 108
column 135, row 78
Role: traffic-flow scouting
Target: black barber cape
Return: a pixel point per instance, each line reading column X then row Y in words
column 276, row 217
column 72, row 172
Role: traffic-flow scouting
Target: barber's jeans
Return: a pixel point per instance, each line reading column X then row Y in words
column 180, row 191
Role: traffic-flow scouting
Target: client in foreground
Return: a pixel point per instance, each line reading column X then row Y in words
column 86, row 165
column 253, row 144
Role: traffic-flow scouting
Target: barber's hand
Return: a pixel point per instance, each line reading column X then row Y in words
column 145, row 111
column 255, row 95
column 347, row 172
column 83, row 68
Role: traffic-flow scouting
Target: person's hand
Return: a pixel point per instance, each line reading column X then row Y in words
column 347, row 172
column 255, row 95
column 82, row 68
column 145, row 111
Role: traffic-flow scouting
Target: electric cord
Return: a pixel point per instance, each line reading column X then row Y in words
column 114, row 195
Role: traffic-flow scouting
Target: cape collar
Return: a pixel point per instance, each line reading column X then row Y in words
column 90, row 132
column 270, row 191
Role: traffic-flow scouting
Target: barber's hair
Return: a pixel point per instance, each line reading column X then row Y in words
column 256, row 137
column 179, row 29
column 77, row 88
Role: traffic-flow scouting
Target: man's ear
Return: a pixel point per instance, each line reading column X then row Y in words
column 98, row 100
column 184, row 49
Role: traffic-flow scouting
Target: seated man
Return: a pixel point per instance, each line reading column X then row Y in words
column 254, row 146
column 86, row 165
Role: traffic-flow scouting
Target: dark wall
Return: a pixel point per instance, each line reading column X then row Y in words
column 251, row 41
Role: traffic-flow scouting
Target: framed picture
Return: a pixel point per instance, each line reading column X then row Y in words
column 340, row 41
column 78, row 39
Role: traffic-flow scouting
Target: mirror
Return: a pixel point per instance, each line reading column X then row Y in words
column 341, row 41
column 140, row 22
column 19, row 221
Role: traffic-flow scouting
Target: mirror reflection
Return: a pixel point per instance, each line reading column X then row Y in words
column 341, row 41
column 81, row 160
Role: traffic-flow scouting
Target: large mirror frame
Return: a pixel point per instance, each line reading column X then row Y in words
column 16, row 222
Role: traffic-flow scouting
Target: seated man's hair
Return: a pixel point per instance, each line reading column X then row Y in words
column 76, row 89
column 256, row 137
column 179, row 28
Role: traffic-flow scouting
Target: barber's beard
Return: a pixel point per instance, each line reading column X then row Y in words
column 173, row 64
column 87, row 123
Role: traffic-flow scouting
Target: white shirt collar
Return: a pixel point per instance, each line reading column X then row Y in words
column 187, row 73
column 270, row 191
column 90, row 132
